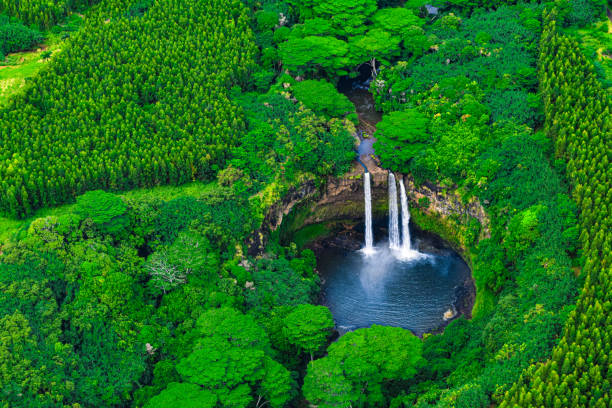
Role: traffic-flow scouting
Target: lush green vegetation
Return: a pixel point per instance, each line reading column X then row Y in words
column 14, row 36
column 42, row 13
column 118, row 110
column 92, row 320
column 27, row 52
column 322, row 97
column 464, row 109
column 130, row 285
column 593, row 33
column 204, row 114
column 578, row 373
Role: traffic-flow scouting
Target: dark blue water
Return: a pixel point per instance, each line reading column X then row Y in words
column 413, row 293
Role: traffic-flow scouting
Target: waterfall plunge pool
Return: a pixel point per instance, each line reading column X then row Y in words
column 413, row 292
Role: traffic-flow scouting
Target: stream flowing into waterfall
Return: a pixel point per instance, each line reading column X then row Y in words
column 369, row 238
column 394, row 236
column 418, row 285
column 405, row 219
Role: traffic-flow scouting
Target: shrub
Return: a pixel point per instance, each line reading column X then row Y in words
column 106, row 210
column 323, row 97
column 266, row 20
column 17, row 37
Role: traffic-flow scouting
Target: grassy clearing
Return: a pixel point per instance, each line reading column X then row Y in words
column 19, row 66
column 596, row 44
column 194, row 189
column 9, row 227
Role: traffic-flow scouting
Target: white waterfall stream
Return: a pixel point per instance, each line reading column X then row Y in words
column 405, row 218
column 369, row 239
column 394, row 236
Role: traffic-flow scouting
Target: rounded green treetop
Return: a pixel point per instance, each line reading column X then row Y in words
column 360, row 364
column 308, row 327
column 106, row 210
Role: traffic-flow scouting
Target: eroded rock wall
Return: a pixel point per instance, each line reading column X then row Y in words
column 341, row 199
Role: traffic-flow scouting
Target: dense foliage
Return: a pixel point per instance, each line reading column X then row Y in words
column 322, row 97
column 285, row 142
column 361, row 365
column 463, row 108
column 578, row 120
column 109, row 112
column 104, row 316
column 42, row 13
column 14, row 36
column 111, row 303
column 333, row 37
column 148, row 301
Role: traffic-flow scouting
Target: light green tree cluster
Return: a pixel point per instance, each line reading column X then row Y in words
column 360, row 365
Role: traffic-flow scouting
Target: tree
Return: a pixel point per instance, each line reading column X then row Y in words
column 308, row 327
column 17, row 37
column 278, row 283
column 312, row 53
column 127, row 134
column 347, row 16
column 184, row 395
column 402, row 135
column 323, row 97
column 231, row 359
column 164, row 275
column 396, row 20
column 376, row 46
column 224, row 368
column 523, row 230
column 106, row 210
column 327, row 386
column 415, row 41
column 366, row 360
column 106, row 370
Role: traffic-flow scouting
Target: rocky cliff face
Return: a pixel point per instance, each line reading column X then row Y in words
column 445, row 203
column 341, row 199
column 276, row 214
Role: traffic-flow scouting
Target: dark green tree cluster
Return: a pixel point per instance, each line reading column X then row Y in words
column 361, row 365
column 322, row 97
column 332, row 38
column 133, row 101
column 284, row 141
column 14, row 36
column 578, row 120
column 496, row 49
column 231, row 365
column 42, row 13
column 581, row 12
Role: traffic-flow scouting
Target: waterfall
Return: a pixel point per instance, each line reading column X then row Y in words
column 369, row 240
column 405, row 218
column 394, row 237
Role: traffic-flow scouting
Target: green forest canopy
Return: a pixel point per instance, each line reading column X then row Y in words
column 146, row 300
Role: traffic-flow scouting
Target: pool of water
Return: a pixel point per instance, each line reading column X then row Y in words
column 412, row 290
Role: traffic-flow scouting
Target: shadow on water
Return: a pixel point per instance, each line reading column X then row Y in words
column 413, row 291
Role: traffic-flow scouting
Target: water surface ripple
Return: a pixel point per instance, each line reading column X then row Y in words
column 411, row 291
